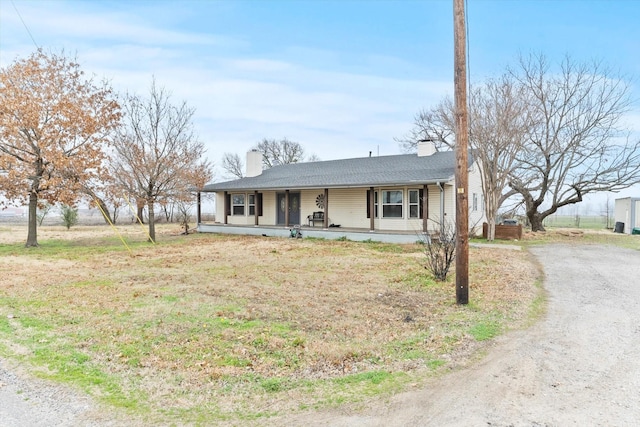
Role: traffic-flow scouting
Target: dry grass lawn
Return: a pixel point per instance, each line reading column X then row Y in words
column 207, row 328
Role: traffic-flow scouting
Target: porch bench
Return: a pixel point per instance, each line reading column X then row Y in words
column 315, row 217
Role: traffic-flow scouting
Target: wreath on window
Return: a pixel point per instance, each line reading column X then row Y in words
column 320, row 201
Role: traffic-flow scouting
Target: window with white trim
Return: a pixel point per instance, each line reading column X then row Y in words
column 414, row 203
column 392, row 204
column 237, row 204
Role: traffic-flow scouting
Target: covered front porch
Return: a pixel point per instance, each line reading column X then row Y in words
column 332, row 233
column 400, row 209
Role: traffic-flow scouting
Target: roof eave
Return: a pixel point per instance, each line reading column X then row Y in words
column 343, row 186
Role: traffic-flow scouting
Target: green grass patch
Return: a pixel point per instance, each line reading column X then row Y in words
column 373, row 377
column 485, row 330
column 411, row 348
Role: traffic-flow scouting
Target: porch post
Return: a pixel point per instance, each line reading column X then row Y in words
column 255, row 207
column 198, row 209
column 286, row 208
column 372, row 209
column 226, row 208
column 326, row 209
column 425, row 207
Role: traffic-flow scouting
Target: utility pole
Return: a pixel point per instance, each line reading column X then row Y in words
column 462, row 153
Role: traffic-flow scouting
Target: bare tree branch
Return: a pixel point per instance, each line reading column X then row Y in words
column 281, row 152
column 233, row 165
column 157, row 155
column 576, row 145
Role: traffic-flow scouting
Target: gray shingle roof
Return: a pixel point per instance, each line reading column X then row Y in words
column 359, row 172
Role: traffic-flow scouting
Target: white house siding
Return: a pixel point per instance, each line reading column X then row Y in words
column 476, row 216
column 269, row 212
column 348, row 209
column 308, row 203
column 268, row 209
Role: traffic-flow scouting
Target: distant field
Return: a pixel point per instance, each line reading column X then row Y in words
column 596, row 222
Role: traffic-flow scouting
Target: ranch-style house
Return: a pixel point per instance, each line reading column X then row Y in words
column 364, row 198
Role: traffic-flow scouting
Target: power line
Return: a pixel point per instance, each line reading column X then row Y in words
column 25, row 25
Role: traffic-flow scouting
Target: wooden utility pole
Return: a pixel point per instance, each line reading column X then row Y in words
column 462, row 153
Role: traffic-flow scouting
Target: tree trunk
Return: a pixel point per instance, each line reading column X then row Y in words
column 32, row 235
column 536, row 221
column 152, row 222
column 105, row 210
column 140, row 214
column 491, row 229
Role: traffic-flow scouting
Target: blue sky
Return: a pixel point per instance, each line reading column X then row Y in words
column 341, row 77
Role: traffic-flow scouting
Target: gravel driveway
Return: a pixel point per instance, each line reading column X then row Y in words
column 580, row 366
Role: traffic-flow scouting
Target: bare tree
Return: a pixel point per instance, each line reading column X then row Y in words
column 440, row 250
column 576, row 145
column 436, row 124
column 157, row 155
column 498, row 121
column 313, row 158
column 274, row 153
column 54, row 124
column 281, row 152
column 233, row 165
column 608, row 212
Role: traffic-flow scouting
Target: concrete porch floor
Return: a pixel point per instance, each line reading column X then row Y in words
column 332, row 233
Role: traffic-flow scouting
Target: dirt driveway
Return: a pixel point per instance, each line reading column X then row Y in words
column 580, row 366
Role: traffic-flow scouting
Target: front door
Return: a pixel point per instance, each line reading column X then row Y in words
column 294, row 208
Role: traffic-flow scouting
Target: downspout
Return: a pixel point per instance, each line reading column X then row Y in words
column 425, row 208
column 441, row 187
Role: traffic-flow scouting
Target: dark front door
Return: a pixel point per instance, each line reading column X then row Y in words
column 294, row 208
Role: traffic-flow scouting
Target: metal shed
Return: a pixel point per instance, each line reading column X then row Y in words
column 627, row 212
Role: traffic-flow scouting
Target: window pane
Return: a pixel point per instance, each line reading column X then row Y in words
column 251, row 199
column 392, row 211
column 238, row 210
column 413, row 211
column 238, row 199
column 252, row 210
column 413, row 196
column 392, row 197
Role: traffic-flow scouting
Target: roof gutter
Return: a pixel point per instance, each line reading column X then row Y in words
column 321, row 187
column 442, row 213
